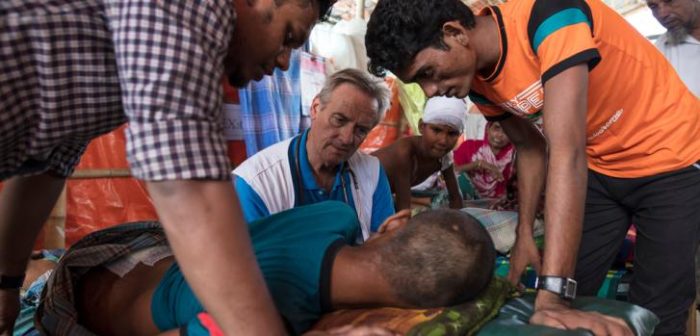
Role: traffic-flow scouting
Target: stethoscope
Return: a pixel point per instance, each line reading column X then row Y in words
column 299, row 182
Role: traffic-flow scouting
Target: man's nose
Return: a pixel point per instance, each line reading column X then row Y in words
column 430, row 89
column 347, row 135
column 282, row 60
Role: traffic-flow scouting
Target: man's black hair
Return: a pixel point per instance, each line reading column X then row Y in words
column 399, row 29
column 324, row 7
column 439, row 258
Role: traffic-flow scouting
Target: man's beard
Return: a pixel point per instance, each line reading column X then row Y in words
column 676, row 36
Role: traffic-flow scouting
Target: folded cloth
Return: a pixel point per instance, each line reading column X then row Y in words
column 469, row 317
column 501, row 226
column 462, row 319
column 56, row 314
column 29, row 297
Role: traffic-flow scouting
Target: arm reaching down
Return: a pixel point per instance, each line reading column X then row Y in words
column 452, row 188
column 201, row 217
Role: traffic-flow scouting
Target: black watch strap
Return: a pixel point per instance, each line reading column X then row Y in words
column 11, row 282
column 562, row 286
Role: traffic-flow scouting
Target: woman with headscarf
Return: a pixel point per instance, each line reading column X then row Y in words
column 489, row 163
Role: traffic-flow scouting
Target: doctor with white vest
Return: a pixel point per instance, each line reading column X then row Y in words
column 323, row 163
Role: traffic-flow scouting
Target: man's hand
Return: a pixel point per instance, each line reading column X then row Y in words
column 552, row 312
column 524, row 253
column 9, row 310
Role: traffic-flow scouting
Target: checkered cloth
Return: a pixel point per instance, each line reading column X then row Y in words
column 271, row 107
column 56, row 314
column 71, row 70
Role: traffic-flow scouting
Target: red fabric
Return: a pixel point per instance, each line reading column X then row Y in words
column 387, row 131
column 208, row 322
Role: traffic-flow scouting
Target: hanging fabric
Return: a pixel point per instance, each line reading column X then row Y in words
column 271, row 107
column 313, row 76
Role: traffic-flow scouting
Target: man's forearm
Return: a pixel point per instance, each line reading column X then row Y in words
column 566, row 97
column 206, row 230
column 25, row 204
column 566, row 191
column 456, row 201
column 532, row 170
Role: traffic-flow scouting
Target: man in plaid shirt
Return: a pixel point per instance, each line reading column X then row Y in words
column 72, row 70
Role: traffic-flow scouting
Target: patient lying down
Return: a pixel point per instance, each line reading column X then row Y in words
column 436, row 258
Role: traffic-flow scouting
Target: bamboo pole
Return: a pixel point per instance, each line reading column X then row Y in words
column 101, row 173
column 360, row 9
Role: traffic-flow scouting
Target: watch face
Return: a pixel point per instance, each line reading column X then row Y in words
column 569, row 292
column 564, row 287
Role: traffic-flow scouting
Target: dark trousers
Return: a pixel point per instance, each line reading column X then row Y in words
column 666, row 211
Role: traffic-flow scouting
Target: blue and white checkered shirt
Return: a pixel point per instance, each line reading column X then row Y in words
column 71, row 70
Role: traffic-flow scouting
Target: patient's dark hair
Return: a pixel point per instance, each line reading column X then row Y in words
column 440, row 258
column 399, row 29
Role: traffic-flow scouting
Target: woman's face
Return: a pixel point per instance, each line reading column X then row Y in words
column 497, row 138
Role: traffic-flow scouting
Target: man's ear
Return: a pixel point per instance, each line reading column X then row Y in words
column 315, row 107
column 455, row 30
column 421, row 126
column 395, row 221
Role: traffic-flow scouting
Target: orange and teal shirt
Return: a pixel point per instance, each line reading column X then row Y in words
column 641, row 119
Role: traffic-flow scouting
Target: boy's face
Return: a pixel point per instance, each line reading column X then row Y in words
column 264, row 35
column 443, row 72
column 438, row 140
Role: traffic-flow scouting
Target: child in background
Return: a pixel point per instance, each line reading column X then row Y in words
column 411, row 160
column 489, row 162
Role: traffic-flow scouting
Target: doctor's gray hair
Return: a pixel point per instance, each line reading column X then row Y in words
column 373, row 86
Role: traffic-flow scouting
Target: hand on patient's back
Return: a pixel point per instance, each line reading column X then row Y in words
column 562, row 317
column 9, row 309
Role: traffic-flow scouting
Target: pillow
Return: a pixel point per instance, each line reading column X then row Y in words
column 461, row 319
column 495, row 312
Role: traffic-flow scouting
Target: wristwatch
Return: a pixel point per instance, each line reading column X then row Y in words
column 11, row 282
column 564, row 287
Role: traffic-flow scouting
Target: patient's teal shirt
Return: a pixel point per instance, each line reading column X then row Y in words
column 295, row 250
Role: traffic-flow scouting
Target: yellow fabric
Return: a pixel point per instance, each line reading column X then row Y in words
column 412, row 101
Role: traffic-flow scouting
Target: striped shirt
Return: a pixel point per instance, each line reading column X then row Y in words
column 72, row 70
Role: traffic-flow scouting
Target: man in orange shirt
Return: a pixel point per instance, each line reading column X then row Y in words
column 620, row 138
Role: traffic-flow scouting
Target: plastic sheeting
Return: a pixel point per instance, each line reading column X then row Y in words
column 106, row 197
column 100, row 193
